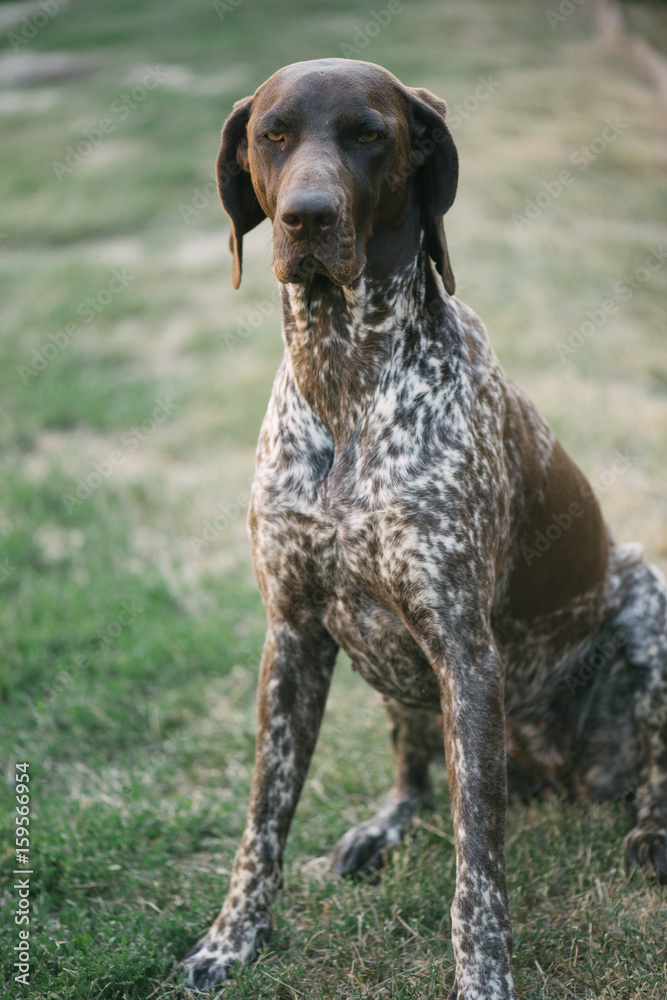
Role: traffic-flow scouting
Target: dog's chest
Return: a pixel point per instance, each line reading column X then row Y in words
column 373, row 546
column 345, row 562
column 381, row 648
column 343, row 529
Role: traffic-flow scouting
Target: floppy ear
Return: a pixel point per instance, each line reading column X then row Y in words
column 234, row 184
column 434, row 154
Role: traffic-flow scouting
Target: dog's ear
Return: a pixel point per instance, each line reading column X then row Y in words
column 435, row 157
column 234, row 184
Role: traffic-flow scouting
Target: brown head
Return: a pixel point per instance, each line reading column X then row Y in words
column 346, row 162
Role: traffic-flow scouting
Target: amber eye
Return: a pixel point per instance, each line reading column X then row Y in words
column 369, row 136
column 275, row 136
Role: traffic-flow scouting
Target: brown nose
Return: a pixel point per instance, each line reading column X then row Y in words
column 306, row 215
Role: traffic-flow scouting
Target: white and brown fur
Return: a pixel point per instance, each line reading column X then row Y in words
column 399, row 474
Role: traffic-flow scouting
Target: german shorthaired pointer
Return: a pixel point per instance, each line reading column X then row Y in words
column 411, row 506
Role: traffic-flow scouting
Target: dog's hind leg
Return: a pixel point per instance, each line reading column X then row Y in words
column 643, row 621
column 623, row 747
column 416, row 737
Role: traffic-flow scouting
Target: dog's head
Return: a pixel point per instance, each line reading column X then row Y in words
column 336, row 152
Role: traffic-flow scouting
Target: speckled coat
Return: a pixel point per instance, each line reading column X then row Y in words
column 412, row 507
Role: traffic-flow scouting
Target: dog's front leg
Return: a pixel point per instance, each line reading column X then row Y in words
column 472, row 685
column 294, row 681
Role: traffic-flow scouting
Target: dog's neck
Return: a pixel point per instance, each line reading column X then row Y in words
column 339, row 340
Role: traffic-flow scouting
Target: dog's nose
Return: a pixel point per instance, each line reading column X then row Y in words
column 307, row 215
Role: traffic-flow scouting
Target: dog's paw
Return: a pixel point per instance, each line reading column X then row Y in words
column 456, row 995
column 646, row 846
column 211, row 960
column 364, row 849
column 206, row 966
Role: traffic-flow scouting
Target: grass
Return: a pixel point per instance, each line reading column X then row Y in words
column 131, row 624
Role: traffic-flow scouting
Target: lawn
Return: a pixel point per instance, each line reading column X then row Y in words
column 134, row 381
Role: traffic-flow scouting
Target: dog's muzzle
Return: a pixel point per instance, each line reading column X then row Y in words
column 312, row 235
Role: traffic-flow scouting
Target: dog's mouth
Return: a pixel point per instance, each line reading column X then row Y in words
column 305, row 267
column 298, row 270
column 295, row 264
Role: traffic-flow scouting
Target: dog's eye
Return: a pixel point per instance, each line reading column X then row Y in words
column 275, row 136
column 369, row 136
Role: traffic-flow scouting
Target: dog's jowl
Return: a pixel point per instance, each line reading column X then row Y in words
column 401, row 483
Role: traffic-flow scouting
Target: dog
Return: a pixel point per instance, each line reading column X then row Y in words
column 401, row 483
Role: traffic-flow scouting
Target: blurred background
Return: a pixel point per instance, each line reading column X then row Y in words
column 134, row 380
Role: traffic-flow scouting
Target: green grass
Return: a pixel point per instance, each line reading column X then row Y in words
column 131, row 631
